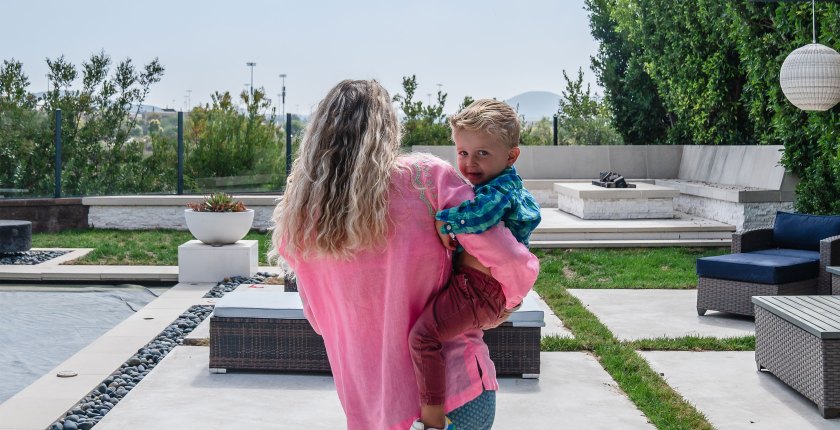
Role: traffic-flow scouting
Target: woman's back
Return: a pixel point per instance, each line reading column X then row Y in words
column 364, row 307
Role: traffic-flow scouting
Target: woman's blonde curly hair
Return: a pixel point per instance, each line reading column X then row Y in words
column 336, row 199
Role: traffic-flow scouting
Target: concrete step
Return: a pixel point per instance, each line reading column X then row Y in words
column 631, row 235
column 552, row 244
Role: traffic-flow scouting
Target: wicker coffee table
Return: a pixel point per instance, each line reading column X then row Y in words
column 264, row 329
column 835, row 279
column 797, row 338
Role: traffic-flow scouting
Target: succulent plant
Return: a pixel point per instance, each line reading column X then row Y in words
column 218, row 202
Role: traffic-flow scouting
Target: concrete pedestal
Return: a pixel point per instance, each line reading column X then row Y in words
column 199, row 262
column 588, row 201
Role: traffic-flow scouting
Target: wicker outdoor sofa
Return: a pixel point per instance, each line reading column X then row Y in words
column 265, row 330
column 788, row 259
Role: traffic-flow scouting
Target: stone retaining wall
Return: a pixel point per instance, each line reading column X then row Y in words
column 46, row 215
column 151, row 212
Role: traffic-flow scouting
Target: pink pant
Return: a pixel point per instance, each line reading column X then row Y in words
column 471, row 299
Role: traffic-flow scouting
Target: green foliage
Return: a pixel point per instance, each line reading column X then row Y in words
column 25, row 138
column 98, row 153
column 629, row 92
column 423, row 124
column 583, row 120
column 713, row 68
column 536, row 132
column 221, row 141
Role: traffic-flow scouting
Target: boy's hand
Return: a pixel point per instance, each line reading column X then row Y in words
column 447, row 239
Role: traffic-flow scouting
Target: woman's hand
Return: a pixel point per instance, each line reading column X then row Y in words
column 447, row 239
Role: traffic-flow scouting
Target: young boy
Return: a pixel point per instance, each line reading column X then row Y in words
column 486, row 136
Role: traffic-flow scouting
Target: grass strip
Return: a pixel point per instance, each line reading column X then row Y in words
column 130, row 247
column 663, row 406
column 694, row 343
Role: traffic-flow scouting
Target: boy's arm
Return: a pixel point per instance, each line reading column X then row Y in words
column 477, row 215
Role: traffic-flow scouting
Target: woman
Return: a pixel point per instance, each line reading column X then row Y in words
column 356, row 224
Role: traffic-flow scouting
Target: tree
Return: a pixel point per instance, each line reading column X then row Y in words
column 97, row 120
column 629, row 92
column 422, row 124
column 536, row 132
column 222, row 141
column 24, row 133
column 583, row 120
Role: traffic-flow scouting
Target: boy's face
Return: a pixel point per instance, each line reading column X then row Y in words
column 482, row 157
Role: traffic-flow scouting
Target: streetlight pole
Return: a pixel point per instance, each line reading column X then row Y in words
column 283, row 95
column 251, row 64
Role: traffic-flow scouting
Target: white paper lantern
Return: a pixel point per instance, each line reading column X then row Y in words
column 810, row 77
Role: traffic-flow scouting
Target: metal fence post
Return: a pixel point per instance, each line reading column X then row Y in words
column 180, row 153
column 288, row 145
column 555, row 130
column 57, row 137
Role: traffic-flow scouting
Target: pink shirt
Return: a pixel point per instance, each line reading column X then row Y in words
column 365, row 307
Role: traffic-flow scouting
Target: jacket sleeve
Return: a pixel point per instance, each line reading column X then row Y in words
column 475, row 216
column 510, row 262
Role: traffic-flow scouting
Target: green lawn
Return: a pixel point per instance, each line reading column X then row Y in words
column 624, row 267
column 560, row 269
column 121, row 247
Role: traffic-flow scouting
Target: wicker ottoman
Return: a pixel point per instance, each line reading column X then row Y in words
column 263, row 328
column 797, row 338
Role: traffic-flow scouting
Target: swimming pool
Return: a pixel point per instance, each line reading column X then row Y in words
column 43, row 325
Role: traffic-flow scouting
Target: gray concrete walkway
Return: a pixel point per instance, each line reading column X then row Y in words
column 727, row 388
column 573, row 392
column 648, row 314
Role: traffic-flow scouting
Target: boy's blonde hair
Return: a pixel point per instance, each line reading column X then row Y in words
column 491, row 117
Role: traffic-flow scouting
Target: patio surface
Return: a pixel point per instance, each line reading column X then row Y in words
column 649, row 314
column 573, row 391
column 728, row 389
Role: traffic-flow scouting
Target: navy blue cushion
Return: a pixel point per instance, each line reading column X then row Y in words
column 758, row 268
column 799, row 253
column 803, row 231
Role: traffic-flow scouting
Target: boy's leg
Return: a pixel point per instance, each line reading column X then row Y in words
column 470, row 300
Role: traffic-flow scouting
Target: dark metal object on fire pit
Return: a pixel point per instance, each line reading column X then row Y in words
column 612, row 180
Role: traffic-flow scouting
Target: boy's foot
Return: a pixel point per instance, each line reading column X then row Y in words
column 420, row 426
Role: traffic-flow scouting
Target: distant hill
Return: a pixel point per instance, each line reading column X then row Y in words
column 535, row 105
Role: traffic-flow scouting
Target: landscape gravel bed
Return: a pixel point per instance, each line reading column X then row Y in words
column 29, row 258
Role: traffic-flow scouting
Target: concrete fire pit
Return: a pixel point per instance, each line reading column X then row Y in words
column 15, row 236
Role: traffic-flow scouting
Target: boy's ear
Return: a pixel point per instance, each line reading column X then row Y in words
column 513, row 154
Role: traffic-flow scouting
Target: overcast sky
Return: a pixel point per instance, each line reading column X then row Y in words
column 480, row 48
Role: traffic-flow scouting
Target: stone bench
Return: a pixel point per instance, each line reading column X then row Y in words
column 797, row 338
column 262, row 327
column 739, row 185
column 15, row 236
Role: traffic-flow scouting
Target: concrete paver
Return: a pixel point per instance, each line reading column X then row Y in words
column 573, row 392
column 727, row 388
column 648, row 314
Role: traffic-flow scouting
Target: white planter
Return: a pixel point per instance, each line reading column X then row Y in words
column 219, row 228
